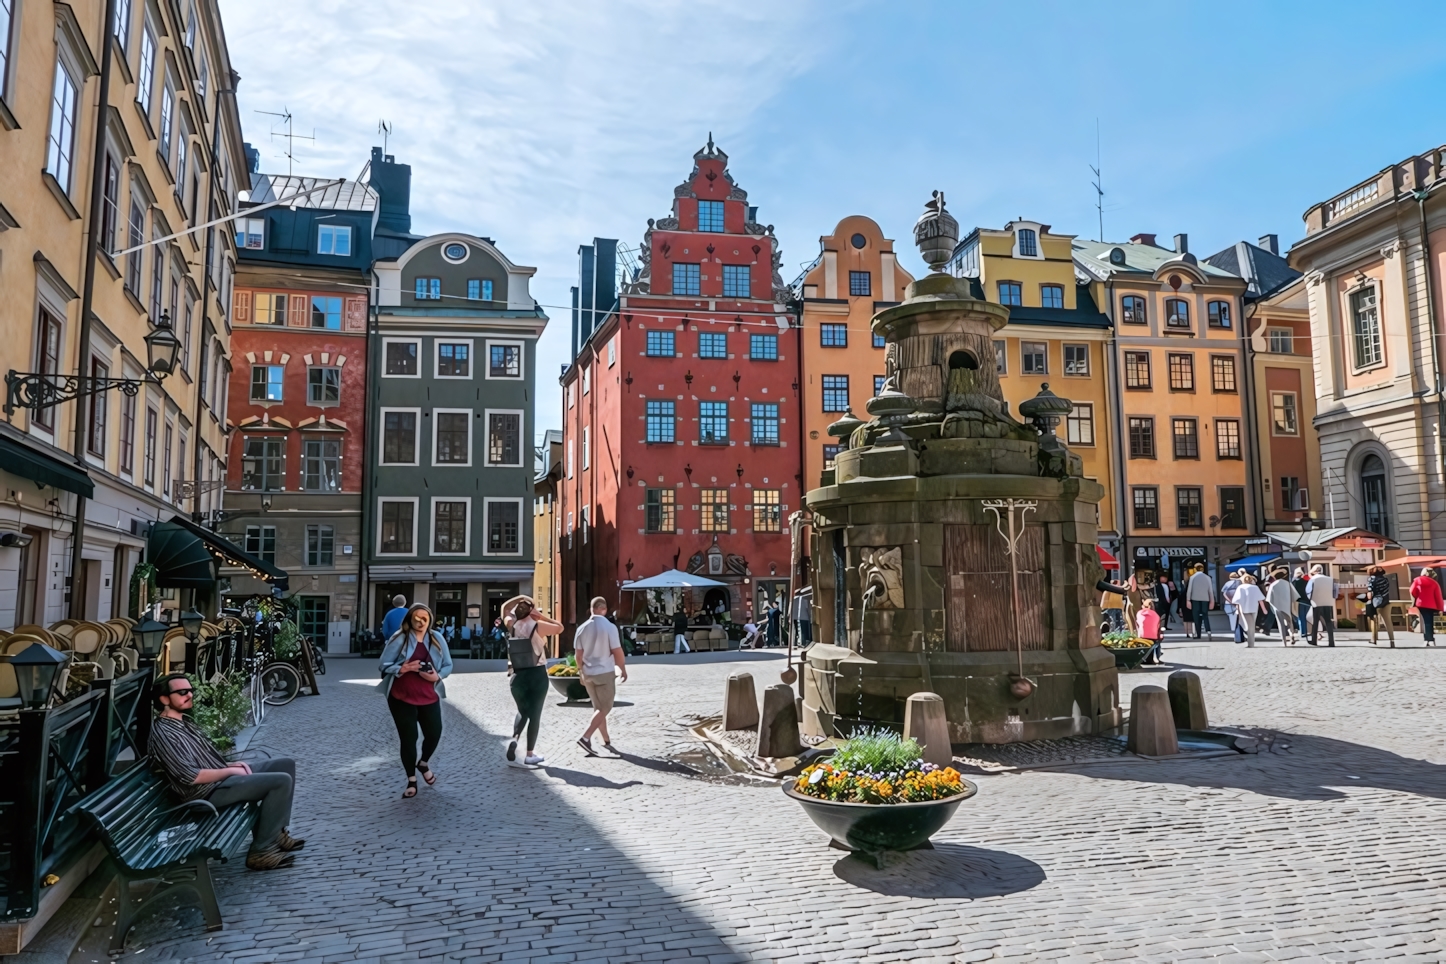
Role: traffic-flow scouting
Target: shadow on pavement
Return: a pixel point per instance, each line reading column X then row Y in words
column 577, row 778
column 662, row 766
column 948, row 871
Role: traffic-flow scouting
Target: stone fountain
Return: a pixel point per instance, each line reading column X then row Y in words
column 953, row 547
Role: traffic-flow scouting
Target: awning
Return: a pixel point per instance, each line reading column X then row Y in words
column 185, row 556
column 1259, row 559
column 1417, row 561
column 673, row 579
column 24, row 461
column 1107, row 560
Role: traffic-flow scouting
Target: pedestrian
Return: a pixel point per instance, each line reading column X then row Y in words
column 1280, row 595
column 187, row 760
column 1164, row 596
column 1426, row 594
column 1378, row 603
column 1232, row 611
column 1200, row 591
column 750, row 635
column 526, row 663
column 392, row 621
column 414, row 662
column 1247, row 599
column 1321, row 590
column 1302, row 601
column 680, row 631
column 599, row 659
column 1149, row 623
column 1112, row 611
column 774, row 618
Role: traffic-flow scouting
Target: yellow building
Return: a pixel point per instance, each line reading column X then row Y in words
column 544, row 520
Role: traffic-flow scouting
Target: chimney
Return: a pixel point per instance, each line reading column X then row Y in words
column 1271, row 243
column 1143, row 239
column 1182, row 244
column 393, row 184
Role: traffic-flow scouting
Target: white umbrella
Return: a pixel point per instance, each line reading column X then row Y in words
column 673, row 579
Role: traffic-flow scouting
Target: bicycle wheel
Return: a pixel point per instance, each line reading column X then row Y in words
column 318, row 662
column 280, row 682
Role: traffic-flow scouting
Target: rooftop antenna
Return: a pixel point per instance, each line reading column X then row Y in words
column 384, row 128
column 1099, row 190
column 291, row 138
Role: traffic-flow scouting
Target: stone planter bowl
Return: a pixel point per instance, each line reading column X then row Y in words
column 1130, row 658
column 870, row 829
column 570, row 688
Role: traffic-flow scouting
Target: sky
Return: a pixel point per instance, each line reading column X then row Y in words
column 544, row 124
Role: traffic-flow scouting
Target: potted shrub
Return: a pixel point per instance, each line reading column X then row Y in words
column 565, row 678
column 1129, row 650
column 876, row 794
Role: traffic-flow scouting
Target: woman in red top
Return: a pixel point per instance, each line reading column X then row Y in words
column 1426, row 593
column 413, row 665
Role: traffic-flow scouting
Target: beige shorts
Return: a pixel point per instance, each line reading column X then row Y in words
column 603, row 690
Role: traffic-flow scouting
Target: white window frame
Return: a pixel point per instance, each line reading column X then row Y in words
column 334, row 229
column 612, row 352
column 471, row 448
column 146, row 67
column 406, row 341
column 521, row 414
column 437, row 344
column 60, row 153
column 521, row 347
column 586, row 447
column 486, row 527
column 383, row 500
column 382, row 435
column 432, row 535
column 243, row 228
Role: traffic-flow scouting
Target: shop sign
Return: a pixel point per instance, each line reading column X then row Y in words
column 1173, row 552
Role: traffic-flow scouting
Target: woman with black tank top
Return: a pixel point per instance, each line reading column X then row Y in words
column 526, row 658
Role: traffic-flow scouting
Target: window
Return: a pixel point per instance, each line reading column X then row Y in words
column 835, row 393
column 261, row 542
column 1186, row 433
column 427, row 289
column 402, row 358
column 398, row 528
column 710, row 216
column 186, row 337
column 1188, row 511
column 685, row 279
column 1280, row 341
column 321, row 465
column 713, row 423
column 736, row 282
column 95, row 428
column 320, row 545
column 454, row 359
column 830, row 453
column 109, row 202
column 1079, row 425
column 765, row 423
column 60, row 146
column 767, row 510
column 449, row 527
column 121, row 27
column 714, row 508
column 1132, row 310
column 1374, row 500
column 833, row 335
column 323, row 386
column 251, row 233
column 1182, row 372
column 1028, row 247
column 47, row 360
column 1366, row 329
column 880, row 341
column 127, row 434
column 1232, row 507
column 1001, row 358
column 451, row 438
column 1034, row 357
column 660, row 344
column 613, row 352
column 1227, row 438
column 660, row 511
column 326, row 312
column 263, row 462
column 1076, row 359
column 587, row 380
column 1177, row 313
column 709, row 346
column 399, row 438
column 266, row 383
column 586, row 447
column 135, row 235
column 504, row 361
column 879, row 384
column 1218, row 314
column 479, row 290
column 1222, row 373
column 1293, row 498
column 1009, row 293
column 7, row 32
column 1147, row 506
column 1137, row 369
column 660, row 422
column 861, row 284
column 1142, row 437
column 502, row 525
column 504, row 439
column 168, row 110
column 147, row 79
column 334, row 239
column 150, row 452
column 180, row 463
column 1283, row 414
column 763, row 347
column 181, row 149
column 1051, row 296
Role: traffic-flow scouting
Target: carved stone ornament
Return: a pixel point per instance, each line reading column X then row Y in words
column 695, row 563
column 936, row 233
column 1391, row 248
column 1314, row 278
column 881, row 573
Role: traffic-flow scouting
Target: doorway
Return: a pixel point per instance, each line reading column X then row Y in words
column 716, row 603
column 314, row 615
column 28, row 603
column 448, row 607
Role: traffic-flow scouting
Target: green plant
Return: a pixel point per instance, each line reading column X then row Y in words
column 144, row 590
column 877, row 751
column 220, row 707
column 1346, row 624
column 288, row 641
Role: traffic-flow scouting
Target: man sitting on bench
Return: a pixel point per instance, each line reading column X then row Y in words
column 188, row 761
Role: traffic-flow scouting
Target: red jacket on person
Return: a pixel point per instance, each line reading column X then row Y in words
column 1426, row 592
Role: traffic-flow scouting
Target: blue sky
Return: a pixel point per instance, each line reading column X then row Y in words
column 544, row 124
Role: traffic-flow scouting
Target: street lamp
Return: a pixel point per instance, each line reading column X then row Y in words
column 191, row 623
column 151, row 636
column 37, row 392
column 37, row 668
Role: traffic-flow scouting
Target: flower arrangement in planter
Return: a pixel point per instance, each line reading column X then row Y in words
column 567, row 680
column 1129, row 650
column 567, row 666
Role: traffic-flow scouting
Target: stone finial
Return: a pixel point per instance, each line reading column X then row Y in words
column 936, row 233
column 925, row 721
column 1152, row 727
column 778, row 729
column 740, row 703
column 843, row 429
column 1187, row 701
column 1045, row 409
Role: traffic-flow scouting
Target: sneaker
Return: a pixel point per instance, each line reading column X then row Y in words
column 535, row 759
column 514, row 762
column 512, row 751
column 586, row 745
column 268, row 859
column 289, row 843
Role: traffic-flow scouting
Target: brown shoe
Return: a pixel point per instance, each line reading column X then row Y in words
column 289, row 843
column 268, row 859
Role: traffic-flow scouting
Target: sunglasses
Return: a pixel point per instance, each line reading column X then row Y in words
column 184, row 692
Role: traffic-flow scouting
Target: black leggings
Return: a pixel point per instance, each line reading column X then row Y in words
column 529, row 692
column 407, row 716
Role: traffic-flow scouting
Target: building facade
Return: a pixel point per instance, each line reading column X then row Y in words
column 125, row 132
column 545, row 528
column 681, row 425
column 1372, row 259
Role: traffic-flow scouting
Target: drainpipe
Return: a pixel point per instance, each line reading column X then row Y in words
column 1122, row 518
column 1252, row 461
column 1438, row 388
column 371, row 432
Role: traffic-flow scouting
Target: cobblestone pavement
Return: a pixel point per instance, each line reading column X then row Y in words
column 1330, row 848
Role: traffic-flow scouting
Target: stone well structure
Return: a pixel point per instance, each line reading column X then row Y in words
column 915, row 586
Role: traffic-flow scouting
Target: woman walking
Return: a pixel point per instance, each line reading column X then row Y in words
column 1426, row 594
column 526, row 662
column 1378, row 601
column 414, row 663
column 1246, row 599
column 1280, row 596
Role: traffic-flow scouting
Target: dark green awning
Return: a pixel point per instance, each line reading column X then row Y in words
column 24, row 461
column 185, row 556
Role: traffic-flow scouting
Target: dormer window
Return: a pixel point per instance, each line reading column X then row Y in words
column 1028, row 243
column 710, row 216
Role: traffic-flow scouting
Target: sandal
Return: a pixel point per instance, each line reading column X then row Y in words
column 411, row 790
column 427, row 774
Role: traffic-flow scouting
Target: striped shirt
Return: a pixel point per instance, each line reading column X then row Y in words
column 179, row 750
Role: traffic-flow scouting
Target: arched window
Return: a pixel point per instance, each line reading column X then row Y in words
column 1177, row 313
column 1027, row 246
column 1132, row 309
column 1374, row 499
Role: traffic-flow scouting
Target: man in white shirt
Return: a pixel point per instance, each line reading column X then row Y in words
column 1200, row 594
column 1321, row 591
column 599, row 652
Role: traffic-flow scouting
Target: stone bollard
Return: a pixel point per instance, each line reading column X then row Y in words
column 1187, row 701
column 778, row 729
column 924, row 720
column 1152, row 729
column 740, row 703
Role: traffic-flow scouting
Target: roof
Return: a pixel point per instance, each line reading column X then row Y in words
column 1264, row 273
column 346, row 196
column 1087, row 315
column 1140, row 259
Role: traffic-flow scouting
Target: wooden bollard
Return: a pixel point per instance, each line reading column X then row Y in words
column 778, row 729
column 1152, row 728
column 740, row 703
column 925, row 721
column 1187, row 701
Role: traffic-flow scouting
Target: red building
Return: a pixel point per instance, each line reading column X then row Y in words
column 681, row 426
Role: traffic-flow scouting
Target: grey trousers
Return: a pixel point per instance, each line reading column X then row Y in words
column 272, row 782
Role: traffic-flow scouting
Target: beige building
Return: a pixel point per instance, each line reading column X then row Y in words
column 544, row 520
column 160, row 155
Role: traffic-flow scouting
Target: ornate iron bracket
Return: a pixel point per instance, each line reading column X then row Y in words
column 39, row 392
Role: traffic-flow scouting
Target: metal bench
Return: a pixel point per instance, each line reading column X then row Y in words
column 149, row 837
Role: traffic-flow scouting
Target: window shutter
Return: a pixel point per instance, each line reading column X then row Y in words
column 241, row 307
column 296, row 318
column 356, row 314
